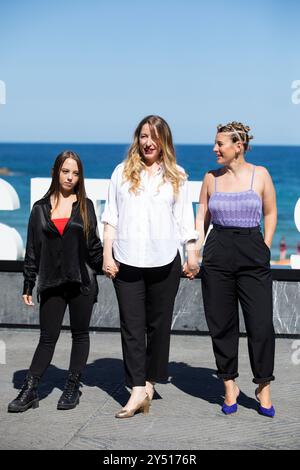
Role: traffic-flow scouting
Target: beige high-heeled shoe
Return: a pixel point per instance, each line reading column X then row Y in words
column 142, row 407
column 151, row 395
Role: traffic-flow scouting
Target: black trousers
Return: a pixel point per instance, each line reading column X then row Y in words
column 236, row 266
column 146, row 299
column 53, row 305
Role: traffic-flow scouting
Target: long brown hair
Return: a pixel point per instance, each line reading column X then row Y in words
column 79, row 189
column 134, row 163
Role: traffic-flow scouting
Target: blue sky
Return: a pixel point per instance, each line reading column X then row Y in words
column 88, row 70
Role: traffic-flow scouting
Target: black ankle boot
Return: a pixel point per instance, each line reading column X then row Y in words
column 70, row 397
column 28, row 396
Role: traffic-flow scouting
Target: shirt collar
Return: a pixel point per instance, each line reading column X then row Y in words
column 160, row 169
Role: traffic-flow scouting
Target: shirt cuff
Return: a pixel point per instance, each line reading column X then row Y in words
column 191, row 235
column 106, row 219
column 28, row 287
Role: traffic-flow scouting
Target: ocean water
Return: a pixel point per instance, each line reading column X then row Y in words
column 26, row 161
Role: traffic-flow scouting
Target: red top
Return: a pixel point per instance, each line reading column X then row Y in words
column 60, row 224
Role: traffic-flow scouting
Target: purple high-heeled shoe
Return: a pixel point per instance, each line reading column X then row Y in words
column 269, row 412
column 230, row 409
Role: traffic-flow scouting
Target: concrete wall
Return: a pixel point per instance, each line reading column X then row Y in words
column 188, row 311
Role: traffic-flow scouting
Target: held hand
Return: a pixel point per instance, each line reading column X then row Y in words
column 193, row 261
column 28, row 300
column 110, row 267
column 191, row 269
column 185, row 268
column 114, row 269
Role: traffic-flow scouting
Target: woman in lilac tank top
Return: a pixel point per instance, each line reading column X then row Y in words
column 236, row 263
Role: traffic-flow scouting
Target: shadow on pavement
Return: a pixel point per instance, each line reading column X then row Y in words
column 107, row 374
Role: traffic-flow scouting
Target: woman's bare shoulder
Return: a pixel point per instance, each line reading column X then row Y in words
column 211, row 175
column 262, row 172
column 209, row 181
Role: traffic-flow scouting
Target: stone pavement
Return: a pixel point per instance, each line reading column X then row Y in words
column 185, row 414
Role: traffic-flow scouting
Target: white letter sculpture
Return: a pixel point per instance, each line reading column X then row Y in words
column 11, row 243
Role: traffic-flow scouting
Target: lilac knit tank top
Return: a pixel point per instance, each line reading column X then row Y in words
column 239, row 209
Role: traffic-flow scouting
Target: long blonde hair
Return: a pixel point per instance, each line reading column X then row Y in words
column 134, row 162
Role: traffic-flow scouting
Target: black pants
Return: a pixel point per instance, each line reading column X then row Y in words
column 236, row 266
column 146, row 299
column 52, row 309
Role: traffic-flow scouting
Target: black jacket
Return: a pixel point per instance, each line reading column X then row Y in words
column 59, row 259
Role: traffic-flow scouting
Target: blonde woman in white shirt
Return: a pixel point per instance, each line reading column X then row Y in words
column 147, row 218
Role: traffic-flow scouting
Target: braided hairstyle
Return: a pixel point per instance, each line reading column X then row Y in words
column 238, row 132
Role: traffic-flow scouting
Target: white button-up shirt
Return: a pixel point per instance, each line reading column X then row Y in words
column 150, row 225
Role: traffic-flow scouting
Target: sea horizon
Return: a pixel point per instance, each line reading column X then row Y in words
column 190, row 144
column 35, row 159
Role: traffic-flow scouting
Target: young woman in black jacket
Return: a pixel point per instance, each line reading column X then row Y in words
column 64, row 250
